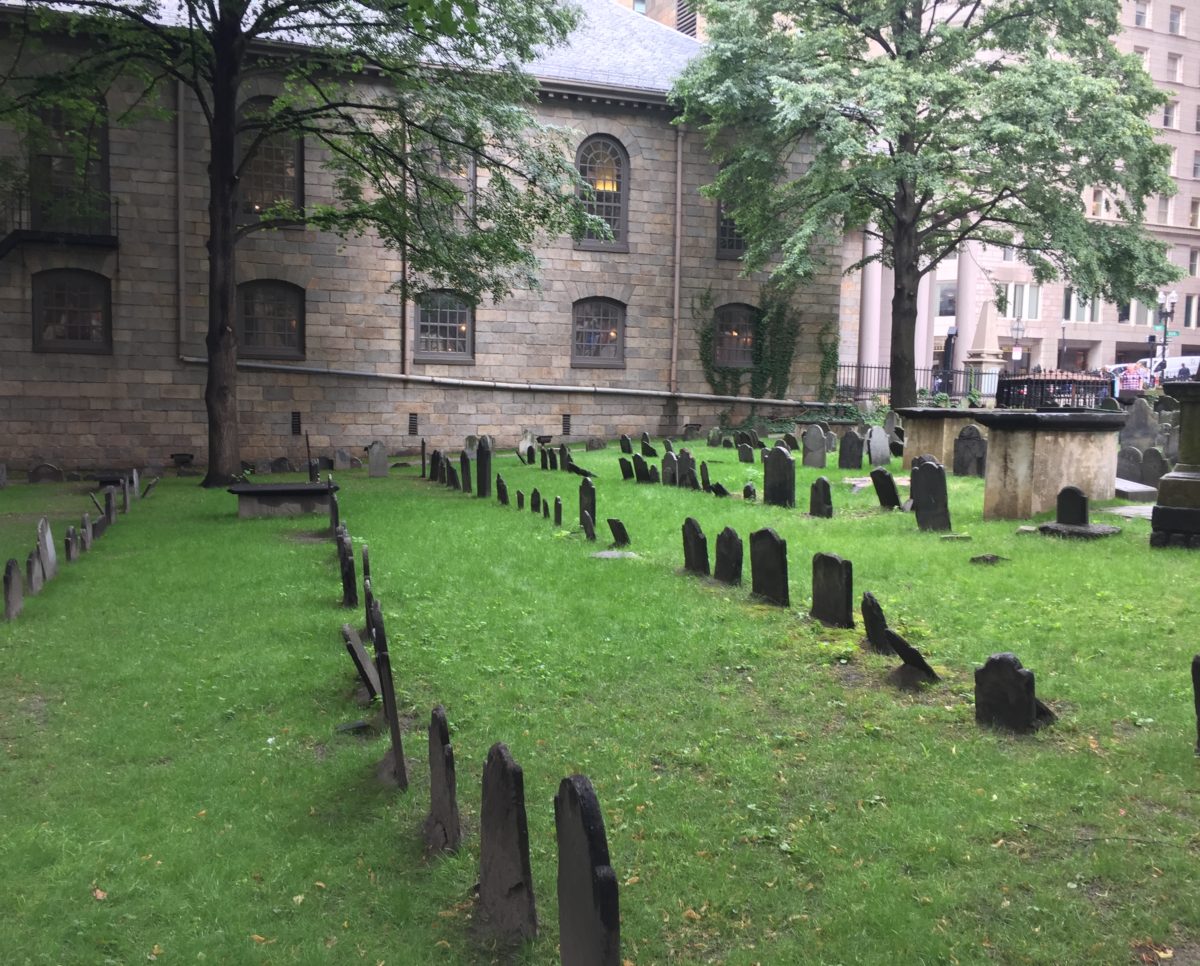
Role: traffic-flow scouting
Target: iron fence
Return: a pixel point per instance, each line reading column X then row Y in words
column 857, row 382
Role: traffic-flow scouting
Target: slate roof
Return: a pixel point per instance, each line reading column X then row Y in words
column 613, row 47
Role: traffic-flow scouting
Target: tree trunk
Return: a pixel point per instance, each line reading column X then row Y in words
column 907, row 271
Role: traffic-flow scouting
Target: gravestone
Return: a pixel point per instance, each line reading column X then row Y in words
column 915, row 669
column 35, row 577
column 442, row 830
column 587, row 499
column 507, row 912
column 1154, row 466
column 589, row 921
column 749, row 493
column 444, row 471
column 85, row 533
column 14, row 590
column 1195, row 692
column 564, row 457
column 695, row 548
column 745, row 453
column 464, row 470
column 1129, row 464
column 654, row 477
column 741, row 438
column 98, row 528
column 135, row 482
column 885, row 488
column 149, row 488
column 1071, row 518
column 891, row 422
column 452, row 475
column 47, row 473
column 790, row 441
column 535, row 501
column 1005, row 698
column 347, row 459
column 714, row 436
column 1141, row 427
column 71, row 545
column 768, row 567
column 640, row 470
column 527, row 447
column 875, row 624
column 1110, row 404
column 619, row 534
column 546, row 509
column 779, row 478
column 647, row 450
column 363, row 662
column 970, row 453
column 349, row 580
column 930, row 502
column 850, row 452
column 341, row 459
column 3, row 475
column 501, row 491
column 594, row 443
column 126, row 495
column 435, row 465
column 46, row 549
column 668, row 446
column 727, row 443
column 728, row 568
column 626, row 445
column 334, row 512
column 687, row 470
column 392, row 768
column 626, row 468
column 558, row 511
column 814, row 447
column 833, row 590
column 520, row 500
column 281, row 464
column 483, row 467
column 545, row 458
column 670, row 469
column 588, row 524
column 110, row 506
column 551, row 461
column 705, row 482
column 718, row 490
column 831, row 442
column 879, row 450
column 820, row 498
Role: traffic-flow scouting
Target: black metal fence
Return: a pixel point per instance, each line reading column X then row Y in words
column 1040, row 392
column 857, row 382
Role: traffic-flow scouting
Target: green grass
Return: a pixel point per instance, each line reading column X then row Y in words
column 168, row 709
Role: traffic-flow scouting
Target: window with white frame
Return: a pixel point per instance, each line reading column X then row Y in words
column 1164, row 210
column 1175, row 67
column 1194, row 214
column 72, row 311
column 1196, row 164
column 598, row 333
column 1022, row 301
column 1174, row 161
column 1144, row 54
column 445, row 323
column 735, row 336
column 1141, row 13
column 1193, row 261
column 1170, row 113
column 1189, row 311
column 1008, row 253
column 1175, row 21
column 1078, row 309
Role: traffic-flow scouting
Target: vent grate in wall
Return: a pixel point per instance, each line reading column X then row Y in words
column 412, row 424
column 295, row 423
column 566, row 430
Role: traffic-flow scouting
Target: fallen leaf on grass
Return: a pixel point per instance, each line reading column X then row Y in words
column 296, row 900
column 262, row 939
column 691, row 914
column 99, row 895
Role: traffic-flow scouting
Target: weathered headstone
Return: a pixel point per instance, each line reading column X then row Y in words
column 281, row 464
column 71, row 545
column 1195, row 692
column 619, row 534
column 670, row 469
column 35, row 576
column 820, row 498
column 3, row 475
column 875, row 624
column 507, row 912
column 648, row 450
column 588, row 524
column 970, row 452
column 1005, row 698
column 891, row 422
column 695, row 548
column 1071, row 518
column 1154, row 466
column 779, row 478
column 714, row 436
column 444, row 471
column 126, row 495
column 564, row 457
column 726, row 443
column 392, row 769
column 626, row 445
column 558, row 507
column 728, row 568
column 594, row 443
column 544, row 455
column 749, row 493
column 687, row 465
column 885, row 488
column 452, row 476
column 930, row 501
column 14, row 590
column 110, row 506
column 589, row 921
column 587, row 499
column 640, row 469
column 442, row 830
column 364, row 664
column 742, row 438
column 915, row 668
column 626, row 468
column 46, row 549
column 879, row 450
column 814, row 448
column 832, row 590
column 341, row 459
column 535, row 501
column 668, row 446
column 520, row 500
column 654, row 477
column 464, row 470
column 745, row 453
column 1141, row 427
column 768, row 567
column 85, row 533
column 850, row 452
column 349, row 580
column 546, row 509
column 1129, row 464
column 483, row 467
column 705, row 482
column 789, row 440
column 46, row 473
column 501, row 491
column 716, row 489
column 435, row 465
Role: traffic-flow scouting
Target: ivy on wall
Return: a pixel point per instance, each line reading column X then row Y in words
column 827, row 343
column 776, row 331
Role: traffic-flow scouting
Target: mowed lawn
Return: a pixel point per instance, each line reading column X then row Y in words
column 175, row 787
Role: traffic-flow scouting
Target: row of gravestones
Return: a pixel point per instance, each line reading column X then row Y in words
column 1146, row 467
column 589, row 920
column 41, row 565
column 1145, row 429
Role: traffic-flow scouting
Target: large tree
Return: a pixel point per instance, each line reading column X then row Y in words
column 929, row 123
column 421, row 108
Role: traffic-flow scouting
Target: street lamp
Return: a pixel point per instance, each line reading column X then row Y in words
column 1166, row 315
column 1018, row 333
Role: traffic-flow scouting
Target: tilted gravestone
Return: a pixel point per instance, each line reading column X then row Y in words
column 648, row 451
column 850, row 452
column 875, row 624
column 779, row 478
column 587, row 499
column 501, row 491
column 879, row 450
column 535, row 501
column 687, row 470
column 668, row 446
column 745, row 453
column 626, row 468
column 970, row 453
column 520, row 500
column 670, row 469
column 364, row 665
column 452, row 476
column 1154, row 466
column 790, row 441
column 589, row 921
column 71, row 545
column 564, row 457
column 558, row 507
column 442, row 830
column 820, row 498
column 814, row 447
column 544, row 454
column 695, row 548
column 1129, row 464
column 377, row 461
column 930, row 501
column 483, row 467
column 46, row 549
column 640, row 469
column 1005, row 698
column 85, row 533
column 749, row 493
column 444, row 471
column 464, row 471
column 392, row 769
column 46, row 473
column 35, row 576
column 705, row 482
column 915, row 668
column 14, row 590
column 626, row 445
column 885, row 488
column 718, row 490
column 619, row 534
column 833, row 590
column 588, row 524
column 768, row 567
column 728, row 568
column 150, row 487
column 507, row 911
column 741, row 438
column 546, row 509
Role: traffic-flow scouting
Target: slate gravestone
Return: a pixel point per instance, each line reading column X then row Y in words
column 45, row 543
column 970, row 452
column 915, row 668
column 535, row 501
column 670, row 469
column 110, row 506
column 640, row 470
column 814, row 447
column 444, row 471
column 150, row 487
column 718, row 490
column 442, row 830
column 850, row 452
column 745, row 453
column 71, row 545
column 551, row 459
column 546, row 509
column 1141, row 426
column 647, row 450
column 1129, row 464
column 281, row 464
column 687, row 470
column 341, row 459
column 885, row 488
column 545, row 458
column 85, row 533
column 831, row 442
column 1005, row 698
column 727, row 443
column 588, row 524
column 501, row 491
column 626, row 445
column 930, row 502
column 820, row 498
column 749, row 493
column 879, row 450
column 768, row 567
column 14, row 590
column 728, row 568
column 349, row 580
column 1154, row 466
column 626, row 468
column 126, row 495
column 619, row 534
column 558, row 511
column 587, row 499
column 392, row 768
column 668, row 446
column 654, row 477
column 452, row 476
column 99, row 527
column 875, row 624
column 790, row 441
column 564, row 457
column 1071, row 517
column 464, row 470
column 705, row 482
column 741, row 438
column 363, row 663
column 527, row 447
column 714, row 436
column 507, row 912
column 589, row 921
column 3, row 475
column 1195, row 690
column 46, row 473
column 779, row 478
column 520, row 500
column 695, row 548
column 334, row 512
column 35, row 577
column 594, row 443
column 833, row 590
column 435, row 465
column 483, row 467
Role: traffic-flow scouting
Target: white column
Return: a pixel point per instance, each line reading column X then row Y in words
column 921, row 347
column 869, row 308
column 966, row 309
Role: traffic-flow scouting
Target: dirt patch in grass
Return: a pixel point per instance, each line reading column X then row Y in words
column 309, row 536
column 1148, row 951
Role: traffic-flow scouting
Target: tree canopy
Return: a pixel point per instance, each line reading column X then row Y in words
column 929, row 123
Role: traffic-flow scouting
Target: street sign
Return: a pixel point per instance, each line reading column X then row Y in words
column 1160, row 325
column 1173, row 334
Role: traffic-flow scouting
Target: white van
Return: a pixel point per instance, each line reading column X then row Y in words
column 1174, row 367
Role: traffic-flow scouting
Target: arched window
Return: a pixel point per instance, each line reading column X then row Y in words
column 604, row 165
column 68, row 171
column 730, row 243
column 270, row 320
column 735, row 336
column 445, row 328
column 72, row 311
column 598, row 333
column 274, row 170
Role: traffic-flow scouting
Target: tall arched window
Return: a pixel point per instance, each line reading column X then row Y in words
column 68, row 171
column 270, row 320
column 604, row 165
column 274, row 170
column 598, row 333
column 445, row 328
column 735, row 336
column 72, row 311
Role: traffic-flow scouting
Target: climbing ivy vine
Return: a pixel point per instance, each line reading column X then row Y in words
column 776, row 330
